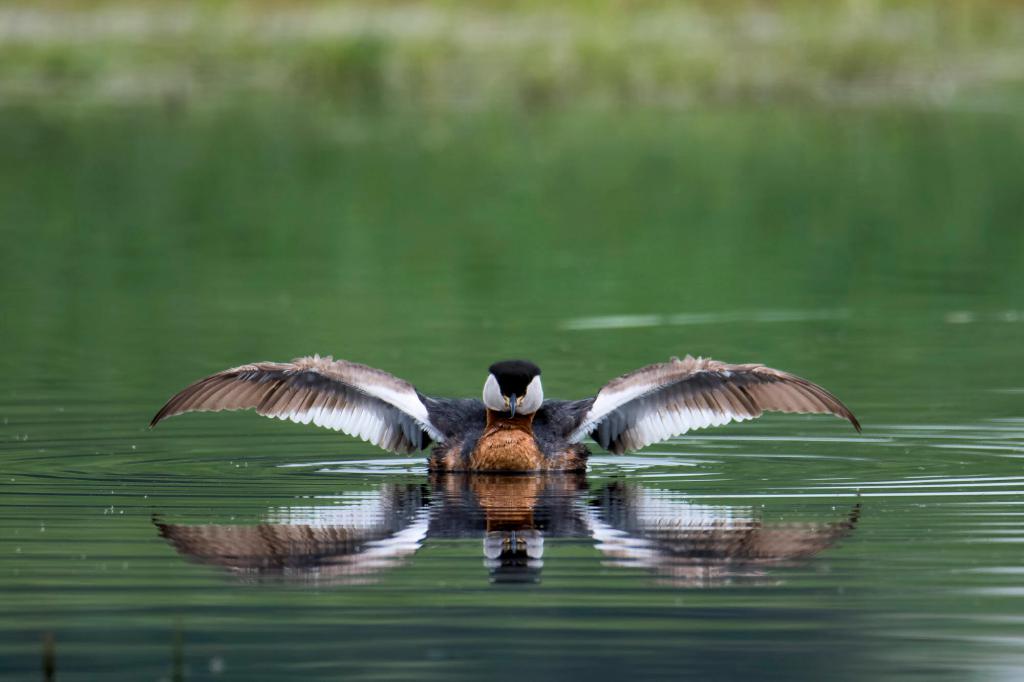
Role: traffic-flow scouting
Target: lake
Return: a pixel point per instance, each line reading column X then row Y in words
column 879, row 253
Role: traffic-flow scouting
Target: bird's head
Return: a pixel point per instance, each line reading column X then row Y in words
column 513, row 386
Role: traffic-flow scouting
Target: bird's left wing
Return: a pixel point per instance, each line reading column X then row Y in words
column 362, row 401
column 668, row 399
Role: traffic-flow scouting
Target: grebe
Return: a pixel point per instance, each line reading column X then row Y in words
column 513, row 428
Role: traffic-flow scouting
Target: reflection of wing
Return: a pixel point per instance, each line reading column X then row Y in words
column 345, row 396
column 699, row 545
column 668, row 399
column 344, row 543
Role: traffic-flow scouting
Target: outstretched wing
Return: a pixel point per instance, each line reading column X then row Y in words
column 345, row 396
column 668, row 399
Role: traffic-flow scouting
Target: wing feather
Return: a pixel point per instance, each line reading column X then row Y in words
column 345, row 396
column 660, row 401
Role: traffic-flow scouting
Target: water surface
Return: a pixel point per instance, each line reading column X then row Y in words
column 877, row 253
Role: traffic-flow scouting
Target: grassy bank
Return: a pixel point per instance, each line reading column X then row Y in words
column 466, row 55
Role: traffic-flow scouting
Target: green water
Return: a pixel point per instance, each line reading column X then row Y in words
column 880, row 254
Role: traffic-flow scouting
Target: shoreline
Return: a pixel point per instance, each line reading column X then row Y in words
column 425, row 55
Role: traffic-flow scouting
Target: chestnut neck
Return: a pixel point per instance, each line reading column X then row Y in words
column 497, row 419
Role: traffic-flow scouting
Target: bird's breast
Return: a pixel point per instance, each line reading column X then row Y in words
column 507, row 444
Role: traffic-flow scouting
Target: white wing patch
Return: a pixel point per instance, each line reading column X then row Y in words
column 361, row 401
column 364, row 422
column 664, row 424
column 406, row 401
column 660, row 401
column 608, row 400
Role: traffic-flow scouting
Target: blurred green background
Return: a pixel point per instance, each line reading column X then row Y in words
column 454, row 55
column 832, row 188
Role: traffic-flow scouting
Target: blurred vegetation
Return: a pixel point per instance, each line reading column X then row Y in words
column 529, row 55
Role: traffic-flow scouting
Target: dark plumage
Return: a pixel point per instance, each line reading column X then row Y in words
column 514, row 375
column 513, row 428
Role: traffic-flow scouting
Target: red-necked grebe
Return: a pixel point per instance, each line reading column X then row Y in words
column 513, row 428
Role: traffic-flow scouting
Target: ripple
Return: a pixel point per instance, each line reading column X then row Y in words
column 995, row 591
column 388, row 464
column 770, row 495
column 687, row 319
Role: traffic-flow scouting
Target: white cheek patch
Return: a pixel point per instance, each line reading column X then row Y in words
column 492, row 394
column 534, row 397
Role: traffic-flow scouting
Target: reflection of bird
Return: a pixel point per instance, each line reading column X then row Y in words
column 513, row 428
column 514, row 556
column 694, row 545
column 683, row 543
column 346, row 544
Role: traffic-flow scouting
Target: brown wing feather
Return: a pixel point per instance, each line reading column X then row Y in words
column 359, row 400
column 668, row 399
